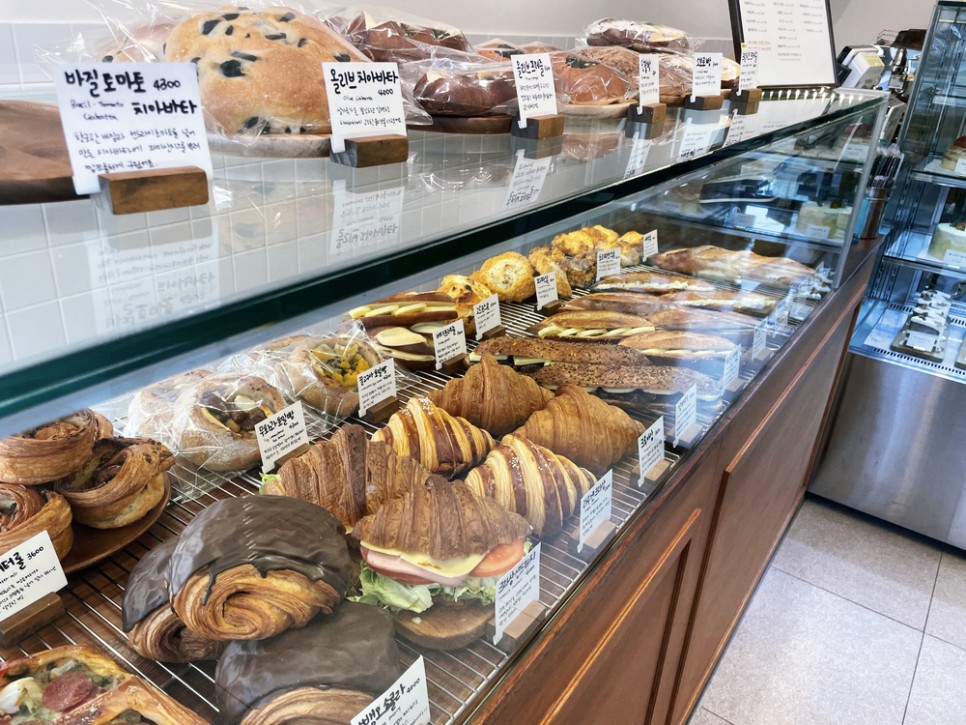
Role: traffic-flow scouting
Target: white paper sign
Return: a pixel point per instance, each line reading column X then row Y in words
column 449, row 342
column 130, row 117
column 638, row 157
column 280, row 434
column 365, row 99
column 737, row 129
column 405, row 703
column 650, row 448
column 649, row 78
column 960, row 167
column 953, row 258
column 595, row 507
column 527, row 181
column 760, row 340
column 749, row 70
column 364, row 222
column 533, row 75
column 546, row 289
column 685, row 413
column 515, row 590
column 780, row 316
column 732, row 367
column 696, row 139
column 487, row 315
column 608, row 263
column 707, row 75
column 856, row 151
column 376, row 384
column 650, row 244
column 924, row 341
column 29, row 572
column 818, row 231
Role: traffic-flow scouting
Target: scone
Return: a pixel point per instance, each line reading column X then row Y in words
column 509, row 275
column 260, row 71
column 545, row 261
column 465, row 293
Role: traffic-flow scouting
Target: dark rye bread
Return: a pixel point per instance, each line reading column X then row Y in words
column 559, row 351
column 654, row 379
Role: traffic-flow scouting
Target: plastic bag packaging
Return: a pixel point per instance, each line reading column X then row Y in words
column 151, row 412
column 499, row 49
column 538, row 47
column 638, row 35
column 465, row 86
column 386, row 34
column 580, row 81
column 677, row 72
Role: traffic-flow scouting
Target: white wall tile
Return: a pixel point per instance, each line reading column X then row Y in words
column 71, row 221
column 36, row 330
column 23, row 229
column 72, row 268
column 83, row 314
column 26, row 280
column 283, row 261
column 44, row 35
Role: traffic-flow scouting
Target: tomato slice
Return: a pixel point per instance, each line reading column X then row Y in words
column 500, row 559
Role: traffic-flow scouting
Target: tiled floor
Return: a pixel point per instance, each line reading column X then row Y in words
column 854, row 623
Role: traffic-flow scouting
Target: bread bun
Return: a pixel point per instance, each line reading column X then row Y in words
column 444, row 626
column 637, row 35
column 585, row 81
column 467, row 93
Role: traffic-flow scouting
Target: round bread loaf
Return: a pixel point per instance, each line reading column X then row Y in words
column 636, row 35
column 395, row 41
column 582, row 81
column 470, row 93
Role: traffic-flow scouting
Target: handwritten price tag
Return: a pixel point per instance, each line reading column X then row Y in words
column 364, row 222
column 515, row 590
column 649, row 78
column 527, row 181
column 595, row 507
column 650, row 449
column 130, row 117
column 685, row 413
column 749, row 70
column 759, row 340
column 533, row 75
column 365, row 99
column 650, row 244
column 487, row 315
column 608, row 263
column 376, row 384
column 732, row 367
column 405, row 703
column 280, row 434
column 546, row 289
column 449, row 342
column 638, row 158
column 922, row 341
column 954, row 258
column 29, row 572
column 707, row 75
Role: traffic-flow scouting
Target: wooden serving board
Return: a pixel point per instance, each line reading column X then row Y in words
column 271, row 145
column 468, row 124
column 34, row 165
column 592, row 110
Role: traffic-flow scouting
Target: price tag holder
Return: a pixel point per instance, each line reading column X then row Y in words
column 649, row 79
column 759, row 341
column 515, row 591
column 280, row 434
column 527, row 181
column 130, row 117
column 650, row 244
column 855, row 151
column 487, row 316
column 706, row 80
column 922, row 341
column 685, row 415
column 405, row 703
column 596, row 507
column 748, row 78
column 533, row 75
column 546, row 289
column 732, row 367
column 818, row 231
column 376, row 384
column 449, row 343
column 780, row 316
column 955, row 259
column 365, row 99
column 28, row 572
column 650, row 451
column 608, row 263
column 960, row 167
column 366, row 221
column 637, row 160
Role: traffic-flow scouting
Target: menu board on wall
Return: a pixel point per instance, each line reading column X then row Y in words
column 793, row 39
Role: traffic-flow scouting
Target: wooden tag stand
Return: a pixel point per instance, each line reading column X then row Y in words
column 135, row 192
column 746, row 103
column 453, row 364
column 551, row 308
column 381, row 411
column 689, row 436
column 498, row 331
column 520, row 629
column 373, row 151
column 649, row 113
column 29, row 619
column 704, row 103
column 595, row 542
column 656, row 471
column 539, row 127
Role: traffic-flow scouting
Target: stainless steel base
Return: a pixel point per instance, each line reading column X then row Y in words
column 897, row 449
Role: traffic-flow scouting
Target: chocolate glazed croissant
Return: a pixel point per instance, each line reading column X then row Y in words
column 532, row 481
column 443, row 443
column 153, row 628
column 53, row 450
column 492, row 396
column 252, row 567
column 25, row 512
column 583, row 428
column 120, row 484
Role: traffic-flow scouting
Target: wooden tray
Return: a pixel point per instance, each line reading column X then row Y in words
column 468, row 124
column 272, row 145
column 92, row 545
column 34, row 164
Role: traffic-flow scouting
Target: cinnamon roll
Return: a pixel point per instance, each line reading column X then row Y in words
column 53, row 450
column 25, row 512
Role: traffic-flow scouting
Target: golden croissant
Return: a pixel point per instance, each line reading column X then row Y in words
column 443, row 443
column 583, row 428
column 492, row 396
column 53, row 450
column 532, row 481
column 25, row 512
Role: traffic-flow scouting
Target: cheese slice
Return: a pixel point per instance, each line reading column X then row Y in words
column 454, row 568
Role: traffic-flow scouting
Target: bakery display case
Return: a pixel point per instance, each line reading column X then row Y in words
column 182, row 325
column 907, row 351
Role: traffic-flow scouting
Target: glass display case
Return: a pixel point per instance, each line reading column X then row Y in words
column 759, row 208
column 908, row 344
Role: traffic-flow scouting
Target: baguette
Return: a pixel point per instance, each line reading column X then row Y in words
column 655, row 379
column 526, row 352
column 405, row 309
column 591, row 326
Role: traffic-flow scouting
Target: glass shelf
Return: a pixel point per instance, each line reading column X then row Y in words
column 932, row 172
column 912, row 248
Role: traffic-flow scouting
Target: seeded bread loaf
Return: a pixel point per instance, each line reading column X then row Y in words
column 260, row 71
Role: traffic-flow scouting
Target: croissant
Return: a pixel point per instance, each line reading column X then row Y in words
column 492, row 396
column 53, row 450
column 583, row 428
column 389, row 475
column 25, row 512
column 133, row 698
column 443, row 443
column 330, row 474
column 120, row 484
column 532, row 481
column 252, row 567
column 155, row 631
column 443, row 520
